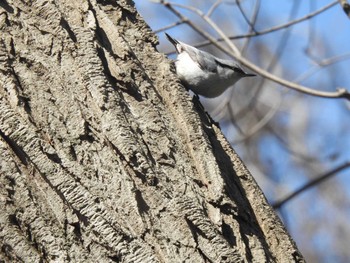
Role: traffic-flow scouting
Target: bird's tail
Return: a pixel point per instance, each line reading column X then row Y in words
column 174, row 42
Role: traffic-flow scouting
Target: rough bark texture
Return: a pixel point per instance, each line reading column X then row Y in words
column 103, row 155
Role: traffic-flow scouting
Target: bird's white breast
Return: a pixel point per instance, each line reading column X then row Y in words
column 187, row 69
column 204, row 83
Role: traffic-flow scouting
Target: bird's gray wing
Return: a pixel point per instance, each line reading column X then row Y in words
column 205, row 61
column 230, row 64
column 209, row 63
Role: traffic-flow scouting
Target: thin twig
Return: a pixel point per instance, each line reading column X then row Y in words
column 275, row 28
column 251, row 25
column 188, row 7
column 310, row 184
column 306, row 158
column 253, row 98
column 213, row 7
column 340, row 93
column 233, row 120
column 253, row 20
column 189, row 22
column 319, row 65
column 261, row 124
column 169, row 26
column 332, row 60
column 210, row 22
column 278, row 53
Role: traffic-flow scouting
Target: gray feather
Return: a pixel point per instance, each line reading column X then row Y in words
column 204, row 60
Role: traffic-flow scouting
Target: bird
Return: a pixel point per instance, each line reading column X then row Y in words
column 203, row 73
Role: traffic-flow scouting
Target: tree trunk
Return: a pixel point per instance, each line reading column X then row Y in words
column 104, row 158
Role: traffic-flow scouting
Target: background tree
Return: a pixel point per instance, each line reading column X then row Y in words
column 289, row 139
column 103, row 156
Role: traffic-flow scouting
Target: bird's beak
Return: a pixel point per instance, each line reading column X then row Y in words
column 249, row 75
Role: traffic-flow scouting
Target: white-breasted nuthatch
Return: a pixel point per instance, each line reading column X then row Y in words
column 204, row 73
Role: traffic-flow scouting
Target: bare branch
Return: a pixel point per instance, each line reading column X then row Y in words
column 189, row 22
column 169, row 26
column 320, row 64
column 261, row 124
column 213, row 7
column 210, row 22
column 310, row 184
column 233, row 119
column 251, row 25
column 276, row 28
column 340, row 93
column 253, row 20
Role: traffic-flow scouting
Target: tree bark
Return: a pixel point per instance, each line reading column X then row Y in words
column 104, row 157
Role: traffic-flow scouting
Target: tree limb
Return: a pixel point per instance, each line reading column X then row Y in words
column 310, row 184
